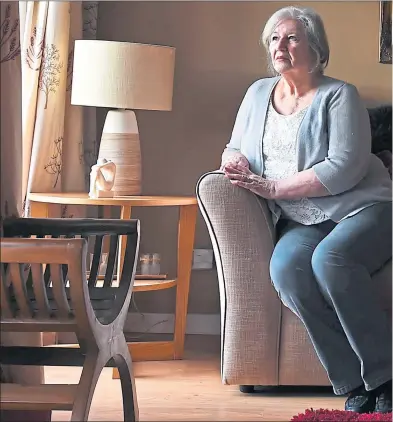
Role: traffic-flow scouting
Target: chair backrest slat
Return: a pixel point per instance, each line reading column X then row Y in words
column 110, row 267
column 130, row 256
column 6, row 308
column 18, row 281
column 48, row 302
column 40, row 291
column 47, row 279
column 59, row 293
column 95, row 265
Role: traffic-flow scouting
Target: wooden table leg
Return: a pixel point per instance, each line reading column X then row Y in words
column 125, row 214
column 168, row 350
column 186, row 235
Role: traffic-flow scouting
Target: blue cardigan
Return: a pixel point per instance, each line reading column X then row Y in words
column 334, row 139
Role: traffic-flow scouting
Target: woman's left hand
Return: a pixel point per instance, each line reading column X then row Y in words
column 243, row 177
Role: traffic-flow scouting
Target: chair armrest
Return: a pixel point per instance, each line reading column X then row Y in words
column 242, row 235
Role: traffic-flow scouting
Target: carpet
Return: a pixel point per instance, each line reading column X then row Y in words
column 325, row 415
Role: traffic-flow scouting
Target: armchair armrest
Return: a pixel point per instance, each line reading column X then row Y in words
column 242, row 234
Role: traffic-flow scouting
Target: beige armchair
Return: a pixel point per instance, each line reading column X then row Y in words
column 263, row 342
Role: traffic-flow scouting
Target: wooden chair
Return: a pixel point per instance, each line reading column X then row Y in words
column 44, row 288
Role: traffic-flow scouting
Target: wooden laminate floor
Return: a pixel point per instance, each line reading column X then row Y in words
column 191, row 390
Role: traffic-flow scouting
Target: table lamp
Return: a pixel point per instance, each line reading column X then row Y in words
column 124, row 76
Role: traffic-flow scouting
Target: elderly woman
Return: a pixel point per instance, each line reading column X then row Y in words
column 302, row 141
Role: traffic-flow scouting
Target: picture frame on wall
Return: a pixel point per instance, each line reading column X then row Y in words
column 385, row 32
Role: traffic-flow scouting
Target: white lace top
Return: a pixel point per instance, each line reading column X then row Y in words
column 279, row 158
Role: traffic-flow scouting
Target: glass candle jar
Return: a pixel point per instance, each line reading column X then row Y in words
column 150, row 263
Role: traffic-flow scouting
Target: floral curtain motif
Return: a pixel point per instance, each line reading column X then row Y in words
column 34, row 50
column 45, row 59
column 51, row 67
column 10, row 45
column 90, row 16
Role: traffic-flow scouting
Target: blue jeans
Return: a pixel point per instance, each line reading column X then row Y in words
column 323, row 273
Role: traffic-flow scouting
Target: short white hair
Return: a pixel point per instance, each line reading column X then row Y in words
column 313, row 27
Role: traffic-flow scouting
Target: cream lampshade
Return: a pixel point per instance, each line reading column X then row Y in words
column 123, row 76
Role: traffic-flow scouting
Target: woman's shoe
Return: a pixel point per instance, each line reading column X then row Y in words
column 360, row 400
column 384, row 398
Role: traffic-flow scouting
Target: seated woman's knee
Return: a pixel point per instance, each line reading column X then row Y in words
column 327, row 264
column 290, row 273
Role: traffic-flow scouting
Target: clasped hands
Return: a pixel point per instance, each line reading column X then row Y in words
column 239, row 174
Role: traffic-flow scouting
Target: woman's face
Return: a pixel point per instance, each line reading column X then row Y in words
column 289, row 49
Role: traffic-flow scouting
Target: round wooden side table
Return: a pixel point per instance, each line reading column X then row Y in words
column 152, row 350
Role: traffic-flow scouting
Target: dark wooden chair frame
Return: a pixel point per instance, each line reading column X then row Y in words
column 45, row 288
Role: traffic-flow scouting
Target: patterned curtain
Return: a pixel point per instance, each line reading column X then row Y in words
column 47, row 145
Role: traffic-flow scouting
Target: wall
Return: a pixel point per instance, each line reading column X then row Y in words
column 217, row 57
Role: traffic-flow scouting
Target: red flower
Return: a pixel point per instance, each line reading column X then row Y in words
column 325, row 415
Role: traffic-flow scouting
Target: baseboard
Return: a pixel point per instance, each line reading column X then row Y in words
column 205, row 324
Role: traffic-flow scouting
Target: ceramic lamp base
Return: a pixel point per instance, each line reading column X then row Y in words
column 120, row 144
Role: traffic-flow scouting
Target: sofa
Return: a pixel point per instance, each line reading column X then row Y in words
column 262, row 342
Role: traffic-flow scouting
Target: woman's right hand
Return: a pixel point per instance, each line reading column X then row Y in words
column 234, row 160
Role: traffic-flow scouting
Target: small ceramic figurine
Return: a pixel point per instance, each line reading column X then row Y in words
column 102, row 179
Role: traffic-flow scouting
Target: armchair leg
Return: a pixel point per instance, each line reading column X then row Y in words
column 247, row 389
